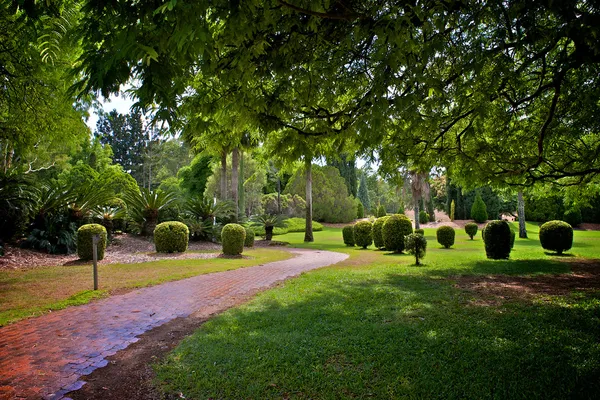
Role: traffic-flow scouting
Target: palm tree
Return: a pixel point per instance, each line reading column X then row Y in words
column 268, row 222
column 145, row 205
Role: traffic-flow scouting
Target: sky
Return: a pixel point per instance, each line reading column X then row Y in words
column 122, row 104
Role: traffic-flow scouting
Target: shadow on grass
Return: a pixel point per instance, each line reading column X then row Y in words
column 508, row 267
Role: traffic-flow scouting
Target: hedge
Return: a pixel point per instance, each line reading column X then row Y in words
column 479, row 209
column 556, row 236
column 171, row 237
column 85, row 241
column 348, row 235
column 363, row 234
column 445, row 236
column 249, row 239
column 471, row 229
column 377, row 235
column 394, row 229
column 496, row 236
column 232, row 238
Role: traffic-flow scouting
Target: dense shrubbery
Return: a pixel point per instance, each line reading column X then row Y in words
column 363, row 234
column 85, row 233
column 348, row 235
column 479, row 209
column 420, row 231
column 267, row 223
column 232, row 237
column 360, row 209
column 380, row 211
column 290, row 225
column 416, row 244
column 445, row 236
column 423, row 217
column 291, row 205
column 171, row 237
column 144, row 207
column 401, row 208
column 471, row 229
column 544, row 208
column 394, row 229
column 249, row 240
column 377, row 234
column 573, row 217
column 556, row 236
column 496, row 236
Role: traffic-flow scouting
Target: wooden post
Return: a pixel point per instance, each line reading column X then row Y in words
column 95, row 240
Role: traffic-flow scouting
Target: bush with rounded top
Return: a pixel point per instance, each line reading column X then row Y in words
column 420, row 231
column 423, row 217
column 377, row 235
column 348, row 235
column 445, row 236
column 249, row 240
column 363, row 234
column 85, row 241
column 171, row 237
column 360, row 209
column 573, row 217
column 416, row 244
column 496, row 236
column 512, row 238
column 394, row 229
column 380, row 212
column 232, row 238
column 556, row 236
column 479, row 210
column 471, row 229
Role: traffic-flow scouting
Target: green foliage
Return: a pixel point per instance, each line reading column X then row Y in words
column 420, row 231
column 348, row 235
column 423, row 217
column 85, row 234
column 573, row 217
column 556, row 236
column 377, row 232
column 496, row 236
column 204, row 218
column 401, row 209
column 18, row 199
column 543, row 207
column 430, row 211
column 53, row 233
column 360, row 210
column 347, row 167
column 452, row 210
column 107, row 216
column 363, row 234
column 479, row 210
column 471, row 229
column 268, row 222
column 416, row 244
column 363, row 193
column 299, row 225
column 171, row 237
column 233, row 237
column 394, row 229
column 249, row 239
column 144, row 206
column 380, row 212
column 445, row 236
column 291, row 205
column 193, row 177
column 512, row 238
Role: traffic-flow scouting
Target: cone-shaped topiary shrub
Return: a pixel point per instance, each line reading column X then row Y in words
column 85, row 242
column 445, row 236
column 573, row 217
column 249, row 240
column 479, row 209
column 232, row 237
column 394, row 229
column 556, row 236
column 471, row 229
column 360, row 209
column 416, row 244
column 171, row 237
column 380, row 211
column 348, row 235
column 420, row 231
column 363, row 234
column 496, row 236
column 377, row 235
column 423, row 217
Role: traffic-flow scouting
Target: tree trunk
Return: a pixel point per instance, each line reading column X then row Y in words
column 224, row 176
column 417, row 211
column 521, row 215
column 241, row 191
column 308, row 233
column 235, row 164
column 268, row 232
column 278, row 195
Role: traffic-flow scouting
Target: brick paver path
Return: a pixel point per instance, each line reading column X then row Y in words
column 44, row 357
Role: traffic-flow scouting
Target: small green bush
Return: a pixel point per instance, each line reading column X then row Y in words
column 85, row 242
column 420, row 231
column 299, row 225
column 471, row 229
column 496, row 236
column 249, row 240
column 233, row 237
column 401, row 209
column 394, row 229
column 171, row 237
column 512, row 238
column 452, row 208
column 479, row 209
column 423, row 217
column 380, row 212
column 377, row 235
column 348, row 235
column 363, row 234
column 445, row 236
column 416, row 244
column 556, row 236
column 360, row 209
column 573, row 217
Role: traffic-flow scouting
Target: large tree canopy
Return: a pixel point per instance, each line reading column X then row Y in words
column 504, row 90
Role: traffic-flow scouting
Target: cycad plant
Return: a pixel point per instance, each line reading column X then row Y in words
column 86, row 200
column 204, row 217
column 107, row 215
column 268, row 222
column 18, row 199
column 144, row 206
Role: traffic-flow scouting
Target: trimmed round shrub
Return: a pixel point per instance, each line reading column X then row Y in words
column 573, row 217
column 496, row 236
column 360, row 209
column 348, row 235
column 249, row 240
column 416, row 244
column 512, row 238
column 232, row 238
column 479, row 210
column 85, row 241
column 471, row 229
column 171, row 237
column 377, row 235
column 394, row 229
column 363, row 234
column 420, row 231
column 556, row 236
column 445, row 236
column 423, row 217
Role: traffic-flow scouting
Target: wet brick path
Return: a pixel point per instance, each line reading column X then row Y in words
column 44, row 357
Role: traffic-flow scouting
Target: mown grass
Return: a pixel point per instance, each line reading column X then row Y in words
column 31, row 292
column 376, row 326
column 291, row 225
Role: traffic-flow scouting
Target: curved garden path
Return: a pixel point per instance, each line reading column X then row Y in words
column 44, row 357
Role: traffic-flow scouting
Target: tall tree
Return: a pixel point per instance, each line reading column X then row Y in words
column 521, row 215
column 347, row 167
column 363, row 192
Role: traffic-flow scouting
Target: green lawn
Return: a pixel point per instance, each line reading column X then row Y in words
column 375, row 326
column 30, row 292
